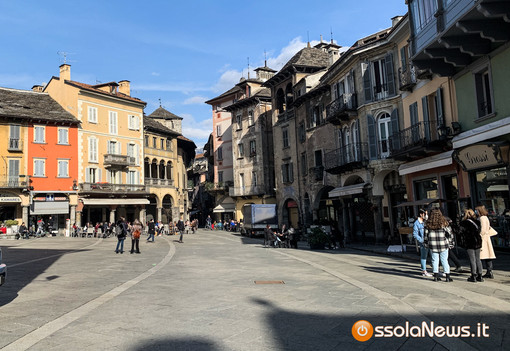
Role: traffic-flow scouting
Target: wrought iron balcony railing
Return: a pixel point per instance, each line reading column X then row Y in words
column 349, row 156
column 119, row 160
column 112, row 188
column 339, row 108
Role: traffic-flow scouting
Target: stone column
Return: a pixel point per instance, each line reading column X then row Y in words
column 159, row 214
column 78, row 219
column 378, row 219
column 24, row 215
column 112, row 214
column 72, row 217
column 143, row 215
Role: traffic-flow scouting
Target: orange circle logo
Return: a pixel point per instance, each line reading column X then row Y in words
column 362, row 330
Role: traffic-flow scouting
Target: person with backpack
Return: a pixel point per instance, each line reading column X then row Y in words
column 135, row 236
column 121, row 231
column 180, row 226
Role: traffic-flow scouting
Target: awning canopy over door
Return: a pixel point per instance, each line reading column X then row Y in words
column 49, row 207
column 224, row 208
column 116, row 201
column 439, row 160
column 348, row 190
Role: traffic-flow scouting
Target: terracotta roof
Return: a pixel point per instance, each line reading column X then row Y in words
column 29, row 105
column 228, row 92
column 95, row 89
column 150, row 123
column 160, row 112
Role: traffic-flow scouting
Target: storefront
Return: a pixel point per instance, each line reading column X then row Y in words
column 52, row 208
column 487, row 168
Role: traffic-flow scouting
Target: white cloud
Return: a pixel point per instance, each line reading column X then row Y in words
column 195, row 100
column 227, row 80
column 156, row 74
column 198, row 131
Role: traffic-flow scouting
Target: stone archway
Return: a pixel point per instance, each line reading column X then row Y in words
column 323, row 206
column 167, row 209
column 290, row 213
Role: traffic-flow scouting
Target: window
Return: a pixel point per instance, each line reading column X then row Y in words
column 63, row 169
column 113, row 176
column 218, row 130
column 483, row 92
column 39, row 134
column 63, row 136
column 250, row 118
column 240, row 149
column 132, row 177
column 220, row 176
column 162, row 144
column 168, row 145
column 112, row 147
column 254, row 178
column 239, row 121
column 154, row 142
column 132, row 151
column 113, row 123
column 384, row 127
column 133, row 122
column 92, row 175
column 253, row 148
column 220, row 153
column 92, row 114
column 318, row 158
column 422, row 12
column 285, row 137
column 304, row 168
column 39, row 167
column 13, row 173
column 287, row 173
column 14, row 137
column 92, row 150
column 302, row 133
column 241, row 180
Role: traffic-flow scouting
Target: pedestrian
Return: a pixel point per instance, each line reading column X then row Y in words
column 487, row 251
column 452, row 257
column 152, row 230
column 161, row 227
column 40, row 228
column 23, row 231
column 436, row 238
column 121, row 231
column 75, row 230
column 180, row 226
column 469, row 236
column 268, row 234
column 208, row 222
column 418, row 234
column 135, row 236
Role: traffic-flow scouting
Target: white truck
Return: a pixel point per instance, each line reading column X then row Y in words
column 257, row 217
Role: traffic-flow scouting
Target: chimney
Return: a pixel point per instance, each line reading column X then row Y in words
column 38, row 88
column 124, row 87
column 395, row 20
column 65, row 71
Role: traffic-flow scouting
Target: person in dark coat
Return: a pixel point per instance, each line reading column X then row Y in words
column 121, row 235
column 152, row 230
column 181, row 227
column 469, row 231
column 268, row 234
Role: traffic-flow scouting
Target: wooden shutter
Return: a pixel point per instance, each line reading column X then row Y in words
column 372, row 137
column 390, row 78
column 439, row 101
column 367, row 82
column 395, row 131
column 426, row 118
column 291, row 172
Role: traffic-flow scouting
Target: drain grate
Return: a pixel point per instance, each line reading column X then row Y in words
column 269, row 282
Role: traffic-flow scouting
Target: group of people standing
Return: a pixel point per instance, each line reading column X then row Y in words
column 435, row 234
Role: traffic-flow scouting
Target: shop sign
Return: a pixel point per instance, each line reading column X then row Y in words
column 10, row 199
column 478, row 156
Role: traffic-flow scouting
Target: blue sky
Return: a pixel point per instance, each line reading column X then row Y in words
column 182, row 52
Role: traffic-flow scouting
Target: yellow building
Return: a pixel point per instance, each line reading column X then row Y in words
column 167, row 157
column 110, row 147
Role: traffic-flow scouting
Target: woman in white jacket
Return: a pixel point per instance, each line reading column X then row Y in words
column 487, row 252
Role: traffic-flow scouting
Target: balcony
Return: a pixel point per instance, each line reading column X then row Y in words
column 252, row 190
column 419, row 140
column 285, row 115
column 15, row 145
column 159, row 182
column 113, row 160
column 346, row 158
column 459, row 34
column 219, row 187
column 407, row 77
column 14, row 182
column 342, row 109
column 113, row 188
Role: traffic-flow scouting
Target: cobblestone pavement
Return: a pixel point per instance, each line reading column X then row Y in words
column 220, row 291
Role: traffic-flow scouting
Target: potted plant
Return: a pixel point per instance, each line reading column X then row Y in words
column 317, row 238
column 12, row 226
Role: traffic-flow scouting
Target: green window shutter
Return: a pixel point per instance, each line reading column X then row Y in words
column 426, row 118
column 367, row 82
column 395, row 131
column 390, row 77
column 439, row 106
column 372, row 137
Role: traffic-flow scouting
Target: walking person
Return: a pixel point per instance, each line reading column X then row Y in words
column 208, row 222
column 121, row 231
column 418, row 234
column 487, row 251
column 40, row 228
column 180, row 226
column 152, row 230
column 268, row 234
column 469, row 235
column 135, row 236
column 436, row 236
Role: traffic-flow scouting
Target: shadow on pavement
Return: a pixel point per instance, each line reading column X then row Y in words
column 20, row 275
column 177, row 345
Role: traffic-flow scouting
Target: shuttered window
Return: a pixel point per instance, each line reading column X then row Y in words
column 39, row 134
column 63, row 168
column 63, row 136
column 39, row 167
column 113, row 127
column 92, row 149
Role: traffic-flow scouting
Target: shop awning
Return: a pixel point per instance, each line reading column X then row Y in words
column 498, row 187
column 439, row 160
column 49, row 207
column 224, row 208
column 348, row 190
column 92, row 202
column 482, row 133
column 422, row 202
